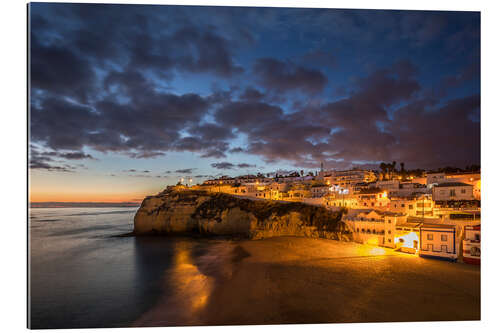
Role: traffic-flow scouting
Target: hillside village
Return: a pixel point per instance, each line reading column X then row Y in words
column 434, row 214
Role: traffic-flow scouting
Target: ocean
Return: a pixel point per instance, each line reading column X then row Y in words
column 83, row 276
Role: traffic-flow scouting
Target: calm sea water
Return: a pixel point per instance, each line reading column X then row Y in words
column 83, row 276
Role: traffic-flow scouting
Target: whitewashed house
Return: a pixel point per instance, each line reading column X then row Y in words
column 438, row 241
column 452, row 191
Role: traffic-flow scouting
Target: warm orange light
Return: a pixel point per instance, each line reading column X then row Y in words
column 407, row 240
column 377, row 251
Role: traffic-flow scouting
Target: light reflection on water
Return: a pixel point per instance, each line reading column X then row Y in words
column 183, row 304
column 83, row 277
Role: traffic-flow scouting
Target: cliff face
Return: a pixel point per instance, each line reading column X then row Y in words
column 198, row 212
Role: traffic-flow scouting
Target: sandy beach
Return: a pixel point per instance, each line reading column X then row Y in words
column 300, row 280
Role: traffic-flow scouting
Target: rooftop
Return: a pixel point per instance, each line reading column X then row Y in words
column 451, row 184
column 437, row 226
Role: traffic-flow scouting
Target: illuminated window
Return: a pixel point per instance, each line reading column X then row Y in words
column 430, row 236
column 444, row 238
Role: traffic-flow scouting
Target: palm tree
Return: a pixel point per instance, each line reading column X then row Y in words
column 383, row 167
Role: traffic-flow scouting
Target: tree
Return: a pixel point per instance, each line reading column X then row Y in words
column 383, row 167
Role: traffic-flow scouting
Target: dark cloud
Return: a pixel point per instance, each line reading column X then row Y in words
column 283, row 76
column 48, row 160
column 245, row 165
column 228, row 165
column 236, row 150
column 185, row 171
column 43, row 165
column 222, row 165
column 75, row 156
column 251, row 94
column 114, row 78
column 318, row 58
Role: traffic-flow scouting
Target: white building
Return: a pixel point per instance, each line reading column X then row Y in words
column 472, row 244
column 438, row 240
column 374, row 227
column 452, row 191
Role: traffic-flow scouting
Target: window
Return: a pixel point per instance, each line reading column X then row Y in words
column 389, row 232
column 389, row 240
column 444, row 238
column 403, row 205
column 410, row 206
column 462, row 191
column 357, row 230
column 452, row 193
column 430, row 236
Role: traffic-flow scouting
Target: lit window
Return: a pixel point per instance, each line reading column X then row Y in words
column 444, row 238
column 430, row 236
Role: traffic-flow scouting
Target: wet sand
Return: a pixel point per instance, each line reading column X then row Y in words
column 299, row 280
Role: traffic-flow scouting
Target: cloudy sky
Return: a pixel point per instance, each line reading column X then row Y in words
column 126, row 99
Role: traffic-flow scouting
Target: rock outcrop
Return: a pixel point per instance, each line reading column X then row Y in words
column 183, row 211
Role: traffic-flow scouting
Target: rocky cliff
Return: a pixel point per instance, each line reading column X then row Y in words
column 183, row 211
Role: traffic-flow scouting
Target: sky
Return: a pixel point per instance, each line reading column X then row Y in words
column 126, row 99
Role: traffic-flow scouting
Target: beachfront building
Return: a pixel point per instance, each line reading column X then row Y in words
column 374, row 227
column 438, row 241
column 452, row 192
column 472, row 244
column 406, row 236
